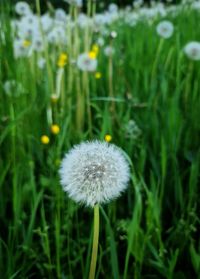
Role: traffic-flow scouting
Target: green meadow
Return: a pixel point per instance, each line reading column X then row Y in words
column 143, row 96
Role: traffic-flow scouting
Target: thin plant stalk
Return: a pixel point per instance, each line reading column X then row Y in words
column 155, row 64
column 110, row 83
column 95, row 243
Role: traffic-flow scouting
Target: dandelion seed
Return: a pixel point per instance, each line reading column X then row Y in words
column 45, row 139
column 94, row 172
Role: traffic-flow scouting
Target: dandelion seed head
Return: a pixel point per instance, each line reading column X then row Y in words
column 86, row 63
column 22, row 8
column 192, row 50
column 94, row 172
column 165, row 29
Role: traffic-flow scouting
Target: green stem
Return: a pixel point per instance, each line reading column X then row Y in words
column 155, row 64
column 95, row 242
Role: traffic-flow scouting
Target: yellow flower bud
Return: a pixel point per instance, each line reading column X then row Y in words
column 55, row 129
column 108, row 138
column 92, row 54
column 54, row 98
column 45, row 139
column 95, row 48
column 98, row 75
column 62, row 60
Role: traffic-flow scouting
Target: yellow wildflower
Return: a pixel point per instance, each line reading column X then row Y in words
column 62, row 60
column 92, row 54
column 98, row 75
column 45, row 139
column 95, row 48
column 108, row 138
column 26, row 43
column 55, row 129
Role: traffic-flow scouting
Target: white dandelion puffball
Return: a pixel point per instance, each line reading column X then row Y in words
column 165, row 29
column 78, row 3
column 85, row 63
column 22, row 8
column 94, row 172
column 192, row 50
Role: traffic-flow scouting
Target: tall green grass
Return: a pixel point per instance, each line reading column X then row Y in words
column 153, row 230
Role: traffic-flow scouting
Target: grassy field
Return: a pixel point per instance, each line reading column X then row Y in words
column 144, row 93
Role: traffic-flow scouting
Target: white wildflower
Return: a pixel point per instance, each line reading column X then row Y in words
column 109, row 51
column 94, row 172
column 41, row 63
column 113, row 34
column 113, row 8
column 78, row 3
column 38, row 43
column 57, row 35
column 137, row 3
column 20, row 50
column 100, row 41
column 47, row 22
column 22, row 8
column 192, row 50
column 85, row 63
column 60, row 15
column 165, row 29
column 13, row 88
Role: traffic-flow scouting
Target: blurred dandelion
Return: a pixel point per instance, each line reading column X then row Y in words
column 22, row 8
column 77, row 3
column 109, row 51
column 192, row 50
column 86, row 63
column 13, row 88
column 132, row 131
column 41, row 63
column 165, row 29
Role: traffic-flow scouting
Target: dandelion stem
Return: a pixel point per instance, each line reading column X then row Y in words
column 155, row 64
column 95, row 242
